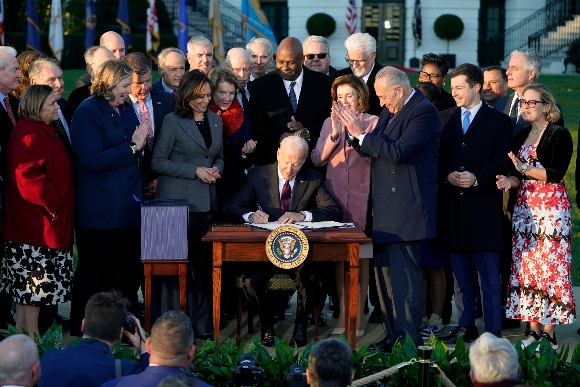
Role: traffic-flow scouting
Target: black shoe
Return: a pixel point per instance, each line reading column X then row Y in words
column 509, row 323
column 496, row 334
column 382, row 346
column 376, row 316
column 63, row 321
column 469, row 334
column 268, row 337
column 333, row 303
column 321, row 319
column 299, row 337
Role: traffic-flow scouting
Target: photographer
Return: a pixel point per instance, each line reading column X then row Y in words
column 90, row 362
column 171, row 347
column 330, row 364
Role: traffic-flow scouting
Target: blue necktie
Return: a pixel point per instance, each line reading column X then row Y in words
column 292, row 96
column 466, row 121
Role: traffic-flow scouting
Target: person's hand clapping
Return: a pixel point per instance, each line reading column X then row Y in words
column 140, row 135
column 294, row 125
column 249, row 146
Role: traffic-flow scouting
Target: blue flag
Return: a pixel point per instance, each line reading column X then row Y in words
column 182, row 27
column 123, row 20
column 32, row 30
column 91, row 23
column 256, row 22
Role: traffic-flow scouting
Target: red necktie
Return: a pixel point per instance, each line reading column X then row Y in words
column 285, row 197
column 144, row 113
column 9, row 110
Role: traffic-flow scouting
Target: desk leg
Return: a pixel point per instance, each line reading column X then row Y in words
column 217, row 288
column 352, row 273
column 147, row 270
column 182, row 286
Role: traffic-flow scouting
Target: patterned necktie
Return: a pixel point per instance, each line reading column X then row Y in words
column 285, row 197
column 466, row 121
column 292, row 96
column 514, row 111
column 144, row 113
column 9, row 110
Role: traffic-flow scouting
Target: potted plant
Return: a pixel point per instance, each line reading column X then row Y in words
column 448, row 27
column 321, row 24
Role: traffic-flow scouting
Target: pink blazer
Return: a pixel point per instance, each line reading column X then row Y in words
column 347, row 174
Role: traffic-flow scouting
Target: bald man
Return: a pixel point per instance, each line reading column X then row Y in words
column 19, row 362
column 114, row 42
column 238, row 61
column 291, row 99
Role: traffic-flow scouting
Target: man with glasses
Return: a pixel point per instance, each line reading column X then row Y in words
column 238, row 62
column 434, row 69
column 316, row 54
column 361, row 56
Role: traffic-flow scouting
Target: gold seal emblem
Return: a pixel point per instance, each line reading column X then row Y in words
column 287, row 247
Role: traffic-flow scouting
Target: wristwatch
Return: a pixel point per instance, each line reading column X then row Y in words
column 525, row 168
column 134, row 147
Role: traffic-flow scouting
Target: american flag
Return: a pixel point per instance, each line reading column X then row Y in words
column 351, row 17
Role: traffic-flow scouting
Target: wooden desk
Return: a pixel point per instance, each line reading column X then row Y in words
column 331, row 245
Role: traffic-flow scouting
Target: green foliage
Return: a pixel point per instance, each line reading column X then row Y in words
column 52, row 338
column 321, row 24
column 448, row 27
column 550, row 368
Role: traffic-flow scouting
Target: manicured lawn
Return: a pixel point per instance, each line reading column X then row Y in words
column 564, row 88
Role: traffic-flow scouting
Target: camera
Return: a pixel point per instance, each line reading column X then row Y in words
column 129, row 325
column 247, row 373
column 296, row 376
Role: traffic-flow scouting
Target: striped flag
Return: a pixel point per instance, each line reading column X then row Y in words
column 351, row 17
column 182, row 27
column 417, row 28
column 55, row 35
column 123, row 20
column 215, row 19
column 90, row 23
column 152, row 38
column 32, row 30
column 1, row 22
column 256, row 22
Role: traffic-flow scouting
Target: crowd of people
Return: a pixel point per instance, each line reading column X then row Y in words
column 463, row 187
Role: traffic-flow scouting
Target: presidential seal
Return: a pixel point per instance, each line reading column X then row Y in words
column 287, row 247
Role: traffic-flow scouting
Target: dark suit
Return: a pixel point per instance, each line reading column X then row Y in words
column 261, row 190
column 374, row 103
column 447, row 100
column 75, row 98
column 504, row 105
column 84, row 80
column 150, row 377
column 403, row 155
column 470, row 220
column 90, row 363
column 270, row 111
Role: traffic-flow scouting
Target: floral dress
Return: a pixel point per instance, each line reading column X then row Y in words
column 540, row 286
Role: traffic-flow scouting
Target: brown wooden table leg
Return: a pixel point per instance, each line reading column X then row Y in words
column 217, row 288
column 182, row 286
column 352, row 273
column 147, row 271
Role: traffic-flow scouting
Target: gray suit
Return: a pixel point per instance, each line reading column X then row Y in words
column 179, row 150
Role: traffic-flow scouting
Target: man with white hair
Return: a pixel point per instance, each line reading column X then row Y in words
column 19, row 362
column 200, row 54
column 317, row 54
column 171, row 68
column 361, row 54
column 494, row 362
column 238, row 62
column 261, row 55
column 9, row 76
column 95, row 56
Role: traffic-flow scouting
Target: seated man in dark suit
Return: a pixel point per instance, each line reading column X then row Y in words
column 90, row 362
column 172, row 348
column 285, row 192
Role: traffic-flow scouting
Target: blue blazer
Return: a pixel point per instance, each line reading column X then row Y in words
column 404, row 171
column 150, row 377
column 109, row 183
column 159, row 87
column 90, row 363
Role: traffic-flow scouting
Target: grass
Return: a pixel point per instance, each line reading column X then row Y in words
column 564, row 88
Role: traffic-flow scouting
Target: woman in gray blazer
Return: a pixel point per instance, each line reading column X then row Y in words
column 189, row 158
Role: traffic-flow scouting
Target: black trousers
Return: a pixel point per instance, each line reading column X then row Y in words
column 108, row 260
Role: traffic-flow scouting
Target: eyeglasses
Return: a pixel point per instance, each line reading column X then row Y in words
column 352, row 62
column 529, row 103
column 244, row 70
column 433, row 77
column 319, row 56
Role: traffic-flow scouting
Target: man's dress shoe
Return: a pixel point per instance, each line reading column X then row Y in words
column 382, row 346
column 321, row 319
column 299, row 337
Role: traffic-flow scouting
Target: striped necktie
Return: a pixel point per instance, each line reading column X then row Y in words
column 9, row 110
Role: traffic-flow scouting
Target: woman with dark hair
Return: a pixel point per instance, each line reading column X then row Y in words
column 188, row 157
column 25, row 59
column 108, row 140
column 38, row 227
column 434, row 69
column 540, row 286
column 348, row 176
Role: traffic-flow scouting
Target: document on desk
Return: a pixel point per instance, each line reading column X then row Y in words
column 304, row 225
